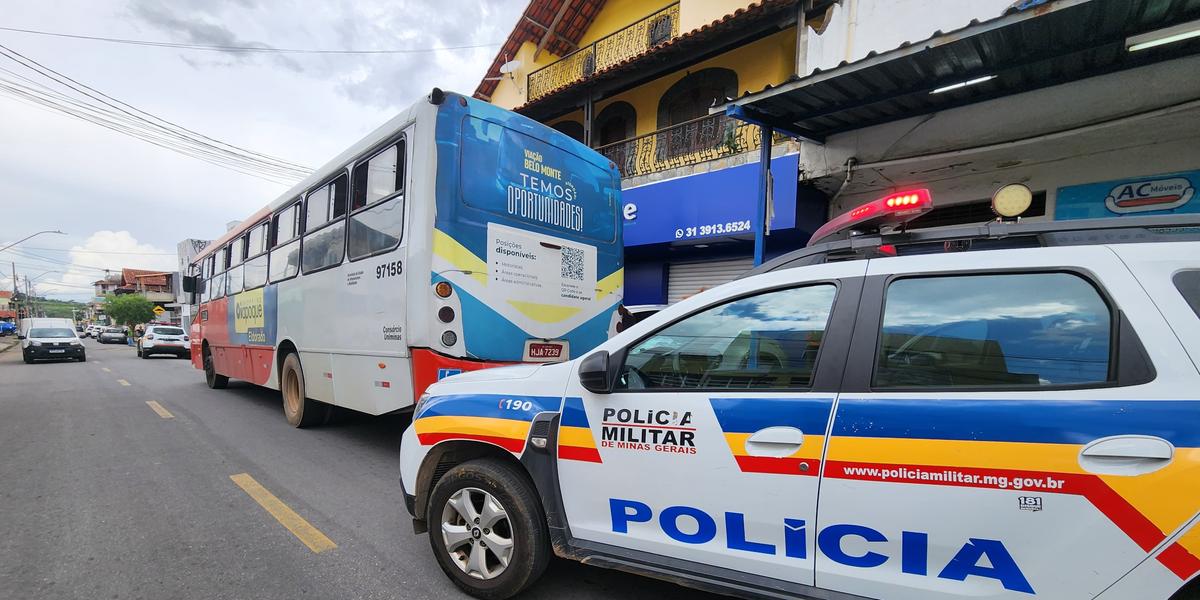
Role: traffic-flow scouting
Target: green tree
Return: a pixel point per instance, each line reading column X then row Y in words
column 128, row 309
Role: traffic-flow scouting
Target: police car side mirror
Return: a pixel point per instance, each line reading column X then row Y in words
column 594, row 375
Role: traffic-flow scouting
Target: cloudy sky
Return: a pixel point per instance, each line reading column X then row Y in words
column 126, row 203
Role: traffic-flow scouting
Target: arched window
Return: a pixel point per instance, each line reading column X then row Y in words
column 691, row 97
column 571, row 128
column 681, row 110
column 617, row 122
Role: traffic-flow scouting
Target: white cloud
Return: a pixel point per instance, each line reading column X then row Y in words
column 104, row 249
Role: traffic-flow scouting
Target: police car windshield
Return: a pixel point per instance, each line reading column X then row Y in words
column 51, row 332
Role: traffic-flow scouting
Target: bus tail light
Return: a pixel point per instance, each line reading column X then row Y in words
column 445, row 314
column 894, row 209
column 443, row 289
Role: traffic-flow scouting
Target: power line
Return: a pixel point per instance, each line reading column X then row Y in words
column 53, row 106
column 123, row 117
column 165, row 126
column 100, row 251
column 259, row 49
column 107, row 120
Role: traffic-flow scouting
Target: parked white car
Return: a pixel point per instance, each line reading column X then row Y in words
column 164, row 339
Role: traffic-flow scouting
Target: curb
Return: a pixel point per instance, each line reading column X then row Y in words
column 9, row 346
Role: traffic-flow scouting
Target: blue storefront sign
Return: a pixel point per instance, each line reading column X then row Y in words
column 1172, row 193
column 714, row 204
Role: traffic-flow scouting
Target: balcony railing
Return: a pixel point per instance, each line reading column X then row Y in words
column 688, row 143
column 605, row 52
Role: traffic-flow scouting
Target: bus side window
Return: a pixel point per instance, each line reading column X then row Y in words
column 377, row 217
column 255, row 269
column 237, row 252
column 324, row 244
column 285, row 251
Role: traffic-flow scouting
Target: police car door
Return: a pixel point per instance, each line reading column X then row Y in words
column 1001, row 432
column 708, row 448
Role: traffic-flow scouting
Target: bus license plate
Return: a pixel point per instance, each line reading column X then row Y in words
column 539, row 351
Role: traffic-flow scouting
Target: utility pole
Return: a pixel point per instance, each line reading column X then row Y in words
column 16, row 290
column 32, row 312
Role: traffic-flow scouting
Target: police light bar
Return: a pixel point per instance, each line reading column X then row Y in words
column 895, row 209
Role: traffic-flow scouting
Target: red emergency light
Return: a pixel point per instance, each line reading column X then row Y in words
column 894, row 209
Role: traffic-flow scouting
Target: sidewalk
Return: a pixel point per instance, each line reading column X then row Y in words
column 9, row 342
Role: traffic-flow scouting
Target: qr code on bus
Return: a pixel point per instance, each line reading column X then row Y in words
column 572, row 263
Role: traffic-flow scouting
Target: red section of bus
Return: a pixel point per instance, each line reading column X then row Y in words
column 247, row 363
column 426, row 364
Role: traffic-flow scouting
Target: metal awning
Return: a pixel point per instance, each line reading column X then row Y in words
column 1033, row 45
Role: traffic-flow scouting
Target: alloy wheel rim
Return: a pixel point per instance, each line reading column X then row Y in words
column 477, row 533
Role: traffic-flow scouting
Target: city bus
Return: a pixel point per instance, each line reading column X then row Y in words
column 457, row 236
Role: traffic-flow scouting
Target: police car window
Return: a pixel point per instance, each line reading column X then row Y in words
column 1188, row 284
column 1036, row 329
column 765, row 341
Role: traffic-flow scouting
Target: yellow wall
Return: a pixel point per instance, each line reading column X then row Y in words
column 766, row 61
column 619, row 14
column 694, row 14
column 510, row 91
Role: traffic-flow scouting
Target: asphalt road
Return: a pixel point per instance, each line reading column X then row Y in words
column 103, row 498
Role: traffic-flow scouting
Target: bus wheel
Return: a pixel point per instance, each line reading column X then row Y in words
column 487, row 529
column 214, row 380
column 299, row 409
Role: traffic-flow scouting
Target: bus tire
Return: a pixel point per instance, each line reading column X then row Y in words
column 214, row 380
column 522, row 528
column 299, row 410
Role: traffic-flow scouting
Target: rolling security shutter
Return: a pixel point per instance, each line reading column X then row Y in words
column 686, row 279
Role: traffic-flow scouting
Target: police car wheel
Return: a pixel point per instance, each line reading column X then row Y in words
column 488, row 533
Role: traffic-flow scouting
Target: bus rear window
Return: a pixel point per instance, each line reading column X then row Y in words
column 535, row 183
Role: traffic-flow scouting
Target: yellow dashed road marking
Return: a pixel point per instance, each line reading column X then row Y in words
column 311, row 536
column 122, row 382
column 106, row 369
column 158, row 408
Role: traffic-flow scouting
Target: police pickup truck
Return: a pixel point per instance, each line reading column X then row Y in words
column 1007, row 410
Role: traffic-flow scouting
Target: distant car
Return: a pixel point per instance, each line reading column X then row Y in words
column 51, row 343
column 112, row 335
column 164, row 339
column 92, row 331
column 7, row 328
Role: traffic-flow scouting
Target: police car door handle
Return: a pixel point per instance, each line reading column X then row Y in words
column 775, row 441
column 1126, row 455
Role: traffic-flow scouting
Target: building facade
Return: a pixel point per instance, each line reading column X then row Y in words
column 156, row 286
column 637, row 81
column 864, row 98
column 7, row 312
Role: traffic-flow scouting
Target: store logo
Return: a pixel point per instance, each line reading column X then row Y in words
column 1154, row 194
